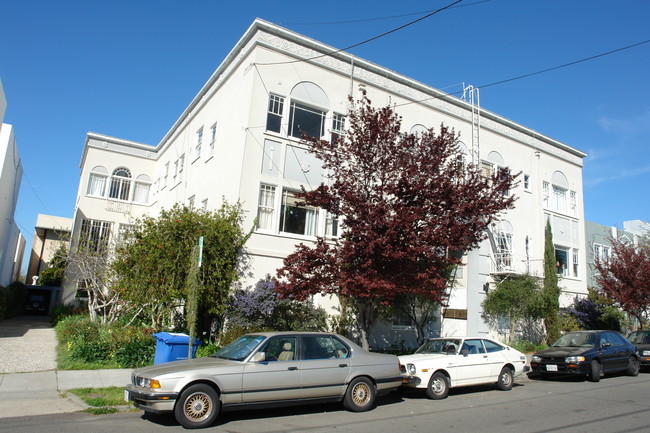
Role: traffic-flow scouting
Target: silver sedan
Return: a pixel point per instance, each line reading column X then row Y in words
column 263, row 369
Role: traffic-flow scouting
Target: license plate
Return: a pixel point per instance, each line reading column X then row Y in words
column 126, row 395
column 551, row 367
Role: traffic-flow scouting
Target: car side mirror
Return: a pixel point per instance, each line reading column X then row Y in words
column 259, row 357
column 605, row 344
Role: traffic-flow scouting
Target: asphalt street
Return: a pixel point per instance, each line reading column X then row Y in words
column 615, row 404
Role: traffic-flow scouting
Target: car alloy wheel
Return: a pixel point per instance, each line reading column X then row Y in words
column 197, row 407
column 360, row 395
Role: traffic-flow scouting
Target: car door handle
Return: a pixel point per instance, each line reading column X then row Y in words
column 292, row 368
column 343, row 365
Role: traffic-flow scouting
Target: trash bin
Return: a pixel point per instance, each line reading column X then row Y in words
column 171, row 346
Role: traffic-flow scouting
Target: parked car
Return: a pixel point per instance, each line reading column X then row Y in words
column 589, row 353
column 641, row 339
column 444, row 363
column 36, row 304
column 267, row 368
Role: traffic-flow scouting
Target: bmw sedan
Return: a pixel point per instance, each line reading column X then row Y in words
column 444, row 363
column 587, row 353
column 261, row 369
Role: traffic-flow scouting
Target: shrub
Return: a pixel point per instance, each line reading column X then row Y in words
column 206, row 350
column 63, row 310
column 12, row 300
column 526, row 346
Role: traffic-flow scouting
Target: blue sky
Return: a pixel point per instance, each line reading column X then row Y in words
column 129, row 68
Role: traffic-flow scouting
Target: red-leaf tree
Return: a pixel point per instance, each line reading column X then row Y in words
column 625, row 278
column 406, row 202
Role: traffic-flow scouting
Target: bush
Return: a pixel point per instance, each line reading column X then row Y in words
column 82, row 341
column 63, row 310
column 206, row 350
column 526, row 346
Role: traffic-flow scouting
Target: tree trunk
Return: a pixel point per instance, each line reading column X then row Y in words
column 366, row 316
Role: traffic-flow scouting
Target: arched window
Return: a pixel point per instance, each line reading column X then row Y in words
column 418, row 129
column 97, row 181
column 142, row 187
column 307, row 111
column 120, row 184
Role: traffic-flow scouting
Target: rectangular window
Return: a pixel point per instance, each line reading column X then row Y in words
column 574, row 203
column 338, row 126
column 213, row 137
column 559, row 199
column 190, row 203
column 199, row 141
column 526, row 182
column 562, row 261
column 455, row 313
column 546, row 191
column 331, row 226
column 504, row 251
column 141, row 192
column 204, row 204
column 266, row 207
column 164, row 184
column 95, row 235
column 504, row 172
column 97, row 185
column 274, row 114
column 175, row 171
column 181, row 163
column 402, row 321
column 300, row 220
column 575, row 262
column 304, row 120
column 487, row 170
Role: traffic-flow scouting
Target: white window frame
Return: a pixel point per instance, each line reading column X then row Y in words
column 575, row 262
column 97, row 183
column 95, row 234
column 120, row 188
column 198, row 142
column 266, row 206
column 213, row 138
column 275, row 111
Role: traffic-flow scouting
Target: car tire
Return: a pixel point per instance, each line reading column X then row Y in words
column 438, row 387
column 197, row 407
column 633, row 366
column 505, row 379
column 360, row 395
column 596, row 371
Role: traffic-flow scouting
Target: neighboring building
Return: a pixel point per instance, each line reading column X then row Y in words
column 50, row 233
column 599, row 246
column 637, row 227
column 240, row 139
column 12, row 243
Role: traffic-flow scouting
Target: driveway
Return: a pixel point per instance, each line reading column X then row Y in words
column 27, row 343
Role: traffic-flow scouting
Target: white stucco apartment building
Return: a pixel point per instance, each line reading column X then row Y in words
column 12, row 243
column 239, row 139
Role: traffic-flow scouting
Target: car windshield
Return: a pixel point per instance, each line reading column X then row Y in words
column 440, row 345
column 640, row 337
column 576, row 339
column 239, row 349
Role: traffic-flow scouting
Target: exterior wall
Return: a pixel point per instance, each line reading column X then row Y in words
column 50, row 233
column 11, row 173
column 637, row 227
column 599, row 242
column 246, row 155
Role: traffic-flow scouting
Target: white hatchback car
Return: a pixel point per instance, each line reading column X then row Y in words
column 444, row 363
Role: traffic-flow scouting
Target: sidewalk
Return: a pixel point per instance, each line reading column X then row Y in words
column 43, row 392
column 29, row 382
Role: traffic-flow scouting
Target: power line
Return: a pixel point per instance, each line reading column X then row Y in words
column 35, row 193
column 367, row 40
column 376, row 18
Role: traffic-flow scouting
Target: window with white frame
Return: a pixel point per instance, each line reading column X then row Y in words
column 190, row 203
column 175, row 176
column 204, row 204
column 300, row 220
column 306, row 120
column 573, row 204
column 601, row 253
column 546, row 188
column 503, row 244
column 213, row 137
column 198, row 141
column 120, row 188
column 338, row 126
column 266, row 207
column 562, row 261
column 559, row 199
column 526, row 182
column 97, row 181
column 181, row 164
column 575, row 263
column 487, row 170
column 165, row 175
column 331, row 226
column 274, row 114
column 142, row 188
column 94, row 235
column 402, row 322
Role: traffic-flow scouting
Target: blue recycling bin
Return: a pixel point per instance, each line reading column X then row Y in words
column 171, row 346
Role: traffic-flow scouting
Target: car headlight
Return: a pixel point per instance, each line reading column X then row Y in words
column 410, row 368
column 536, row 358
column 574, row 359
column 146, row 383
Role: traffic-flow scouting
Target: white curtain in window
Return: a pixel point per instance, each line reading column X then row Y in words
column 141, row 194
column 310, row 222
column 266, row 207
column 559, row 196
column 97, row 185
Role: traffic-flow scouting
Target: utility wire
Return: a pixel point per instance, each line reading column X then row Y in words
column 376, row 18
column 367, row 40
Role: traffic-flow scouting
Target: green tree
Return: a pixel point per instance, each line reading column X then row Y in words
column 152, row 269
column 551, row 291
column 53, row 274
column 515, row 299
